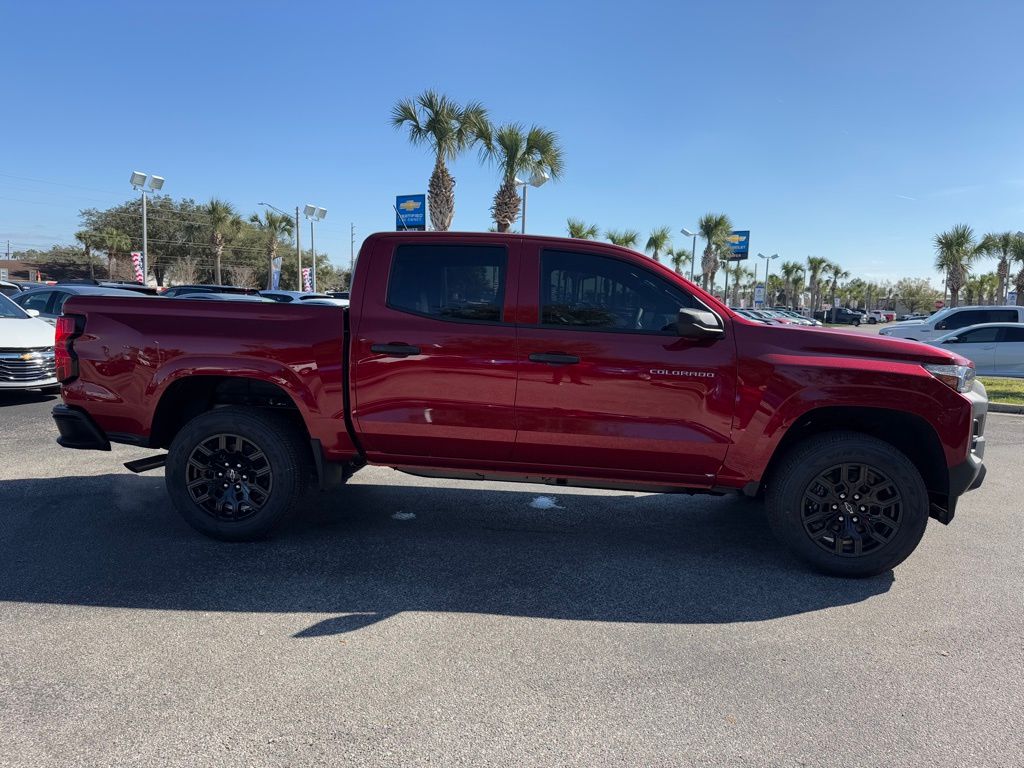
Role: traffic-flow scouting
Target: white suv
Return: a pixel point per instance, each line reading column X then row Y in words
column 877, row 316
column 952, row 319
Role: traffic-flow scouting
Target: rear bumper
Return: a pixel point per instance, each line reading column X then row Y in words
column 78, row 430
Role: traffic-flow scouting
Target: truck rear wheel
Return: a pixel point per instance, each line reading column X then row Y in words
column 236, row 473
column 848, row 504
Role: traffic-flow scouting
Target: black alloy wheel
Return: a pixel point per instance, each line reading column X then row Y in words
column 229, row 477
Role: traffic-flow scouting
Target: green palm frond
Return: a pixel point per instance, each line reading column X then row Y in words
column 659, row 240
column 580, row 230
column 627, row 238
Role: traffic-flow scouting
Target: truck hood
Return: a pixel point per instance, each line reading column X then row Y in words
column 906, row 324
column 831, row 343
column 25, row 333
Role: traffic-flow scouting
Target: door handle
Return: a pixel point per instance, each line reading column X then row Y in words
column 395, row 349
column 554, row 358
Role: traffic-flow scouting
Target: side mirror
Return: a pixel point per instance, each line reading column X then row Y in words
column 941, row 326
column 699, row 324
column 952, row 340
column 32, row 312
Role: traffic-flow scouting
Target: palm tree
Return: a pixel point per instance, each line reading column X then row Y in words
column 999, row 244
column 580, row 230
column 518, row 152
column 815, row 267
column 740, row 276
column 114, row 242
column 955, row 249
column 677, row 256
column 627, row 238
column 89, row 240
column 660, row 239
column 714, row 228
column 448, row 129
column 792, row 273
column 834, row 273
column 224, row 224
column 274, row 225
column 1017, row 254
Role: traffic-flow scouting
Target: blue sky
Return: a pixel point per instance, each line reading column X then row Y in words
column 848, row 130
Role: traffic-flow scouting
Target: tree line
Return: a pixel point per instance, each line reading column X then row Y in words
column 189, row 242
column 958, row 252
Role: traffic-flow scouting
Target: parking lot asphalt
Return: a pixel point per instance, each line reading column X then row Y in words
column 408, row 622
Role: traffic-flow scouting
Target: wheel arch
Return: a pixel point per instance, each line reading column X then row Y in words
column 909, row 433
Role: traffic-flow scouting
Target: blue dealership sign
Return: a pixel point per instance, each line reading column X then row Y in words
column 411, row 212
column 739, row 244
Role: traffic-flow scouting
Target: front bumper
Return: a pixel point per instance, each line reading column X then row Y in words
column 969, row 474
column 78, row 430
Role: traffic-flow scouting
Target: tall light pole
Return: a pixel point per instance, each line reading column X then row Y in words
column 156, row 183
column 313, row 213
column 693, row 253
column 537, row 179
column 298, row 240
column 351, row 253
column 767, row 270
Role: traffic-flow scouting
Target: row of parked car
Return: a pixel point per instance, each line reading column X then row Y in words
column 46, row 300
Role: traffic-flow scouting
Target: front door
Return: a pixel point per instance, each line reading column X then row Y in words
column 606, row 387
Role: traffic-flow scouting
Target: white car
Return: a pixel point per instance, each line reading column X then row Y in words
column 876, row 316
column 952, row 319
column 996, row 349
column 26, row 349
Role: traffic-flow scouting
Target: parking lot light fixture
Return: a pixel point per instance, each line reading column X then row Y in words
column 313, row 213
column 138, row 182
column 537, row 179
column 693, row 251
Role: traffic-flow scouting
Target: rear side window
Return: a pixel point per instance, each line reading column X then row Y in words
column 449, row 282
column 37, row 301
column 1013, row 335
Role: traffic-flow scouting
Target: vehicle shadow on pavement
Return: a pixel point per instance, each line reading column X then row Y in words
column 115, row 541
column 25, row 396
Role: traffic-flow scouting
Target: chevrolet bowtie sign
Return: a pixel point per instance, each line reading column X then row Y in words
column 411, row 212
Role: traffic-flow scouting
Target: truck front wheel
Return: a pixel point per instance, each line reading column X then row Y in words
column 236, row 473
column 848, row 504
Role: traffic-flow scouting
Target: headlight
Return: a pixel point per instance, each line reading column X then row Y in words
column 958, row 377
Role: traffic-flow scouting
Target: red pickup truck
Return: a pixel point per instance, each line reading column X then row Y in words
column 547, row 360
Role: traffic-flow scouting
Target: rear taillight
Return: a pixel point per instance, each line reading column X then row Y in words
column 69, row 328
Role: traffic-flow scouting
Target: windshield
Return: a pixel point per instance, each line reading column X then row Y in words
column 9, row 310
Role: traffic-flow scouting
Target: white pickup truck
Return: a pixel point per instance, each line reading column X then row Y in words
column 951, row 319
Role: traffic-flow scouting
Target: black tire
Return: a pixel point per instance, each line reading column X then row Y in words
column 872, row 321
column 268, row 445
column 831, row 531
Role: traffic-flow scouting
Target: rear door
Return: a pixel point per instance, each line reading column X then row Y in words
column 1009, row 352
column 606, row 386
column 434, row 351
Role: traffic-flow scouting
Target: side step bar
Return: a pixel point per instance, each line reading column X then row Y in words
column 144, row 465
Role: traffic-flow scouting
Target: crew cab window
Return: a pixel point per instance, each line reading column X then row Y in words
column 977, row 317
column 978, row 336
column 585, row 291
column 449, row 282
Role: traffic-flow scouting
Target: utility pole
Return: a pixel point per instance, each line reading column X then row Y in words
column 298, row 245
column 351, row 255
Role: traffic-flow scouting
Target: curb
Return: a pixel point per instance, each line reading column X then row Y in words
column 1005, row 408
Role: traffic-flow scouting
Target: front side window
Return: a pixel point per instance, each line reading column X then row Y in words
column 449, row 282
column 589, row 292
column 978, row 336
